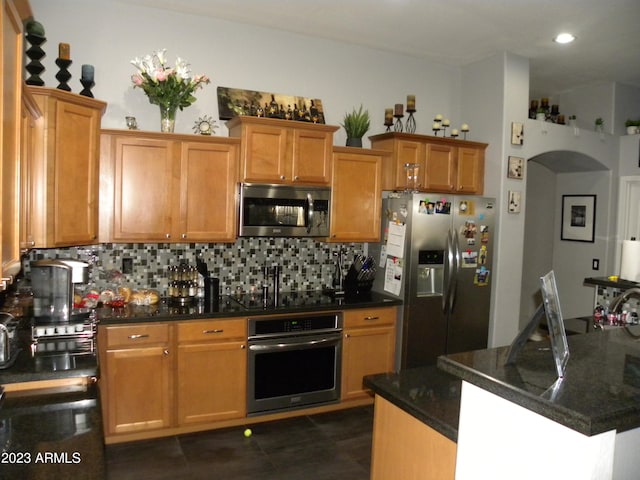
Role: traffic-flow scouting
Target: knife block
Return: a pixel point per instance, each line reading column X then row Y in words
column 354, row 286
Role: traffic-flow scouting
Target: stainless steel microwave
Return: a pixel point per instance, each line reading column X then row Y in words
column 284, row 211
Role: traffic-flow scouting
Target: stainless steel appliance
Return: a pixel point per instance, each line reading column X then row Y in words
column 8, row 344
column 294, row 361
column 436, row 256
column 53, row 288
column 284, row 211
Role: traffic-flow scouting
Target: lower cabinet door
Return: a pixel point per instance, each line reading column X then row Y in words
column 139, row 389
column 211, row 381
column 365, row 351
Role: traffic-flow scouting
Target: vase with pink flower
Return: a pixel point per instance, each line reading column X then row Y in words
column 169, row 87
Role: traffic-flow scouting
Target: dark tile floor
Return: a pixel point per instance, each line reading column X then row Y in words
column 327, row 446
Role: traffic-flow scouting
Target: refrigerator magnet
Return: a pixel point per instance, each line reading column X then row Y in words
column 481, row 277
column 469, row 259
column 482, row 258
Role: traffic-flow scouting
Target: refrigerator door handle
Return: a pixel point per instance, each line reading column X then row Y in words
column 453, row 288
column 448, row 271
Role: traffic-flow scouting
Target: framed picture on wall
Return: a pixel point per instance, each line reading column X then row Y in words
column 517, row 133
column 515, row 168
column 578, row 218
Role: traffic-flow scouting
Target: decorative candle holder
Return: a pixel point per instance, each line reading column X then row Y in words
column 35, row 54
column 411, row 122
column 88, row 85
column 398, row 127
column 445, row 125
column 63, row 75
column 436, row 129
column 454, row 133
column 464, row 130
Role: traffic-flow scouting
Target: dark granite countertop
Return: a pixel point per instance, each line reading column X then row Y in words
column 621, row 283
column 52, row 436
column 600, row 391
column 32, row 368
column 427, row 393
column 242, row 306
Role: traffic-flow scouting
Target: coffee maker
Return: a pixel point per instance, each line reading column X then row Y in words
column 53, row 283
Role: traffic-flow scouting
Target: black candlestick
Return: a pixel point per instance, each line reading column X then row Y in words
column 398, row 125
column 35, row 54
column 87, row 84
column 411, row 122
column 63, row 75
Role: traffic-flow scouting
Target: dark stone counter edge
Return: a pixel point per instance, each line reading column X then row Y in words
column 621, row 283
column 246, row 312
column 7, row 377
column 449, row 431
column 588, row 426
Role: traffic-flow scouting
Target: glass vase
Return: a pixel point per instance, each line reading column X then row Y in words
column 167, row 118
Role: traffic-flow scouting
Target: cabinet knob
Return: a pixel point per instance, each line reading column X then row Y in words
column 167, row 235
column 184, row 235
column 346, row 335
column 296, row 177
column 165, row 352
column 282, row 177
column 243, row 346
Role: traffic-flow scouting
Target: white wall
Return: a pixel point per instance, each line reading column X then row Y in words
column 539, row 234
column 108, row 35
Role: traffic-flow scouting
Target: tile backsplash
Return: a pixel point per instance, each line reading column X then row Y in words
column 306, row 264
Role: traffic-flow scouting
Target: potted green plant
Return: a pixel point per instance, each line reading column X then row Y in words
column 633, row 126
column 356, row 124
column 599, row 125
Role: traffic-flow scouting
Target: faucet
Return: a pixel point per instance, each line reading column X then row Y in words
column 618, row 302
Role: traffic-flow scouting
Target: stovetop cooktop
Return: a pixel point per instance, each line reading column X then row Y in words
column 254, row 301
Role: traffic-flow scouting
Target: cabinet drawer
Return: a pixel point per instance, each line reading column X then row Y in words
column 211, row 330
column 134, row 335
column 368, row 317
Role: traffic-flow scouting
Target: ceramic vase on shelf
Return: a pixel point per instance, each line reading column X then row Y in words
column 167, row 118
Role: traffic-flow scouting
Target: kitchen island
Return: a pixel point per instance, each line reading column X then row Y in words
column 518, row 421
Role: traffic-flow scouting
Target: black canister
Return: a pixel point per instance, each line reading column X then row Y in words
column 211, row 293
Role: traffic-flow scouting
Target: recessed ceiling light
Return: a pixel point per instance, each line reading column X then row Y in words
column 564, row 38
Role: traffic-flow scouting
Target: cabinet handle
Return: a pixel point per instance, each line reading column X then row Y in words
column 167, row 235
column 346, row 335
column 165, row 352
column 372, row 318
column 296, row 177
column 206, row 332
column 184, row 235
column 243, row 346
column 282, row 177
column 137, row 336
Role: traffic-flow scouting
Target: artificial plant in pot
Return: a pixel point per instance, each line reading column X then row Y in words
column 356, row 125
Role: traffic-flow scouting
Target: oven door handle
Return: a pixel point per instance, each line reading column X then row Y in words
column 288, row 345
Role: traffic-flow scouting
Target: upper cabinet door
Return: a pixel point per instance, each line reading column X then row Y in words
column 208, row 178
column 356, row 195
column 143, row 189
column 439, row 172
column 312, row 156
column 470, row 172
column 266, row 154
column 283, row 151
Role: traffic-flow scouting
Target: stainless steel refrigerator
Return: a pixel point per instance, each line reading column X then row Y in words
column 436, row 255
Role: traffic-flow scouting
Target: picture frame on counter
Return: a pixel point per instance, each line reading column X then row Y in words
column 515, row 168
column 578, row 222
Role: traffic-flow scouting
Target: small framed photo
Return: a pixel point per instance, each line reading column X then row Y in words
column 578, row 218
column 515, row 168
column 515, row 197
column 517, row 133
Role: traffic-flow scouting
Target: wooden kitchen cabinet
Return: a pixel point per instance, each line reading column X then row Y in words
column 446, row 165
column 62, row 187
column 10, row 141
column 167, row 188
column 368, row 347
column 356, row 195
column 283, row 151
column 211, row 370
column 136, row 382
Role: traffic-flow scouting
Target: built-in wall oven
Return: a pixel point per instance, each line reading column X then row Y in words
column 294, row 361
